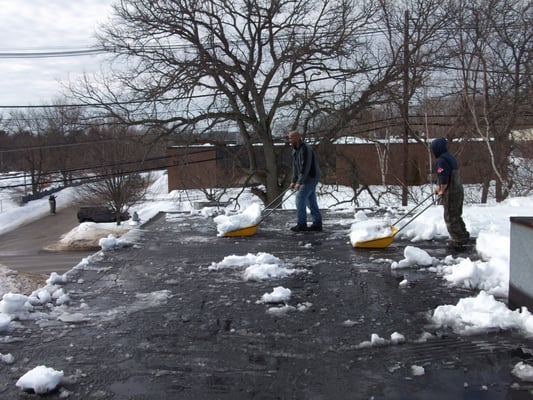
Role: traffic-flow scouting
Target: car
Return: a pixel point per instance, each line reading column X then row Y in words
column 99, row 214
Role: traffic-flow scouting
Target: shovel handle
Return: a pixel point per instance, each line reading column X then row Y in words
column 272, row 209
column 414, row 208
column 276, row 199
column 412, row 219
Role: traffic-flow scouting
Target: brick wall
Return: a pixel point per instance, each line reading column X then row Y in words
column 343, row 164
column 366, row 164
column 191, row 167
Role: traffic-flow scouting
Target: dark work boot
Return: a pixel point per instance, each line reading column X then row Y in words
column 461, row 245
column 299, row 228
column 458, row 246
column 315, row 228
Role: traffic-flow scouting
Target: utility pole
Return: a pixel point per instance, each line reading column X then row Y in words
column 405, row 109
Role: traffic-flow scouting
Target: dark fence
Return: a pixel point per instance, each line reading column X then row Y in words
column 36, row 196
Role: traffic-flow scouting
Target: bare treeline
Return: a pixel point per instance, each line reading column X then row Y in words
column 374, row 69
column 59, row 147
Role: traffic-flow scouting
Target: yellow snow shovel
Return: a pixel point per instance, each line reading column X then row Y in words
column 252, row 229
column 385, row 241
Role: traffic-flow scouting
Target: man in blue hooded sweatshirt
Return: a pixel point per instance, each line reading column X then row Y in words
column 450, row 189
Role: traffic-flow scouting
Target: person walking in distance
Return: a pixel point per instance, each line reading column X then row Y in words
column 52, row 202
column 450, row 190
column 305, row 177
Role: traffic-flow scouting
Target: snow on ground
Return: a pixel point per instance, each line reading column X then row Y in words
column 482, row 313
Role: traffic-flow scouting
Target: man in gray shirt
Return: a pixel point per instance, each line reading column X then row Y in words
column 305, row 177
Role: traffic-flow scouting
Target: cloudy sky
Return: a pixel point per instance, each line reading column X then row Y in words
column 41, row 26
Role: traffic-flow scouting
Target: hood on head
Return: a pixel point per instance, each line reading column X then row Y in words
column 439, row 146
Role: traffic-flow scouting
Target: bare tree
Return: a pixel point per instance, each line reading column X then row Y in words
column 407, row 48
column 416, row 37
column 116, row 181
column 261, row 67
column 28, row 134
column 493, row 47
column 64, row 130
column 6, row 161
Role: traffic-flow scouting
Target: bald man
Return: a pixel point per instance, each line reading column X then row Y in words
column 305, row 177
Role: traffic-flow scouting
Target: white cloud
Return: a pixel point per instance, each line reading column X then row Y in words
column 42, row 25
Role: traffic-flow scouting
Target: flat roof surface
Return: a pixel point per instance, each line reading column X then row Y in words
column 210, row 337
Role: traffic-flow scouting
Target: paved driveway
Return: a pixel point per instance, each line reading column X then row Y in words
column 23, row 249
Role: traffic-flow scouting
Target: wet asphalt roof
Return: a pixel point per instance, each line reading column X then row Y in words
column 213, row 339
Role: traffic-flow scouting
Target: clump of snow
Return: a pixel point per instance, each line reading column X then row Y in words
column 417, row 370
column 87, row 235
column 378, row 341
column 397, row 338
column 40, row 379
column 278, row 295
column 112, row 242
column 413, row 256
column 349, row 323
column 306, row 305
column 480, row 314
column 7, row 358
column 55, row 278
column 427, row 226
column 14, row 303
column 263, row 272
column 40, row 296
column 492, row 277
column 18, row 306
column 281, row 311
column 366, row 229
column 49, row 294
column 72, row 317
column 233, row 261
column 259, row 267
column 5, row 320
column 375, row 341
column 523, row 371
column 229, row 223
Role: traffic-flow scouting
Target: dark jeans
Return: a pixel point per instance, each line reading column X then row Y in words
column 306, row 197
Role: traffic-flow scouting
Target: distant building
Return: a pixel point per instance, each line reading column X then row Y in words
column 344, row 162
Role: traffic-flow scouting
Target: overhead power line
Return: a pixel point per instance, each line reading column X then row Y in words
column 56, row 145
column 50, row 54
column 135, row 162
column 137, row 166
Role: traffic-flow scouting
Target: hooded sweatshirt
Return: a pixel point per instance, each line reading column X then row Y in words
column 446, row 162
column 446, row 165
